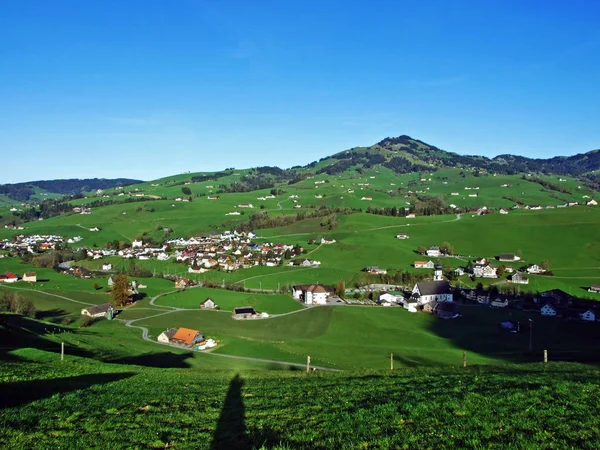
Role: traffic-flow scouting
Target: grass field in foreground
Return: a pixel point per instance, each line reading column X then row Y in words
column 79, row 404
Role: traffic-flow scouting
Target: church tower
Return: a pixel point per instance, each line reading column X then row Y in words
column 438, row 275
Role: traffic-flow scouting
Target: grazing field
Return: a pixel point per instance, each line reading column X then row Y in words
column 228, row 300
column 80, row 403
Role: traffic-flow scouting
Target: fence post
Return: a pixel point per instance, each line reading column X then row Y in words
column 307, row 365
column 545, row 356
column 464, row 359
column 391, row 361
column 62, row 351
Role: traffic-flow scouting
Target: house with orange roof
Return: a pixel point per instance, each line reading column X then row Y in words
column 186, row 336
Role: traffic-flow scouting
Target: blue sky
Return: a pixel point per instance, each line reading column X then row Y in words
column 145, row 89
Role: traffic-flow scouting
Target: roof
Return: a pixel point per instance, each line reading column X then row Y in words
column 595, row 286
column 30, row 274
column 509, row 256
column 244, row 310
column 97, row 309
column 170, row 332
column 10, row 275
column 314, row 288
column 434, row 287
column 207, row 299
column 185, row 334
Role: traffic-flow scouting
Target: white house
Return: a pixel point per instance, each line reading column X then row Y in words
column 485, row 271
column 209, row 303
column 165, row 336
column 30, row 277
column 97, row 310
column 402, row 236
column 313, row 294
column 137, row 244
column 387, row 297
column 106, row 267
column 519, row 278
column 588, row 316
column 592, row 203
column 548, row 310
column 424, row 265
column 534, row 268
column 508, row 257
column 434, row 252
column 429, row 291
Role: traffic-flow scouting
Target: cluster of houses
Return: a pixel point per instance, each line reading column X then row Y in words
column 557, row 303
column 32, row 243
column 231, row 251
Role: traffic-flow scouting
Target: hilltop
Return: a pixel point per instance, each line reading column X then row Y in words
column 38, row 190
column 404, row 154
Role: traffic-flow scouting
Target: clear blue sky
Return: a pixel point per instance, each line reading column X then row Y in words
column 145, row 89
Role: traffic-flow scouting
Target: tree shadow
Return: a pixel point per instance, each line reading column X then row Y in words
column 23, row 392
column 51, row 314
column 231, row 432
column 163, row 359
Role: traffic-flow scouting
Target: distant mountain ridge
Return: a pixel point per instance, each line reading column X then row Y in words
column 405, row 154
column 73, row 186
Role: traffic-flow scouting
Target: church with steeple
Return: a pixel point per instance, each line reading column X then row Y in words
column 438, row 290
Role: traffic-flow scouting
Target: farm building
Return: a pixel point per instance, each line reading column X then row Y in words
column 30, row 277
column 434, row 252
column 375, row 270
column 445, row 310
column 98, row 310
column 208, row 304
column 402, row 236
column 424, row 265
column 166, row 336
column 186, row 336
column 548, row 310
column 245, row 312
column 106, row 267
column 429, row 291
column 8, row 277
column 534, row 268
column 499, row 303
column 508, row 257
column 519, row 278
column 485, row 271
column 594, row 288
column 312, row 294
column 588, row 316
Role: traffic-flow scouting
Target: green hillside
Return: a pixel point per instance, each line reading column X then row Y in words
column 78, row 404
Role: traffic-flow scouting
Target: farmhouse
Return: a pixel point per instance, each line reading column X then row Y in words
column 8, row 277
column 519, row 278
column 503, row 211
column 30, row 277
column 208, row 304
column 429, row 291
column 411, row 216
column 434, row 252
column 98, row 310
column 595, row 288
column 137, row 244
column 245, row 312
column 508, row 257
column 313, row 294
column 548, row 310
column 485, row 271
column 106, row 267
column 402, row 236
column 534, row 268
column 375, row 270
column 592, row 203
column 166, row 336
column 424, row 265
column 390, row 298
column 186, row 336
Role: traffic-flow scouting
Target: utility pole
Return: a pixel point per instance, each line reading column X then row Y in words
column 530, row 336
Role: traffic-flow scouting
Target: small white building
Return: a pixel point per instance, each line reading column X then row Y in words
column 434, row 252
column 106, row 267
column 165, row 336
column 137, row 244
column 588, row 316
column 548, row 310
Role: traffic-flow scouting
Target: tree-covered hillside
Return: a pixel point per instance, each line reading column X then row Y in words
column 23, row 191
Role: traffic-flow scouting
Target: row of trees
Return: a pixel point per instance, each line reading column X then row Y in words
column 16, row 303
column 262, row 220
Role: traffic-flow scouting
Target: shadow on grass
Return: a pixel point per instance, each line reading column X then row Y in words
column 414, row 361
column 22, row 392
column 163, row 359
column 50, row 314
column 232, row 433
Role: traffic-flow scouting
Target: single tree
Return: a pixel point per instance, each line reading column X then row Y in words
column 546, row 264
column 340, row 290
column 501, row 270
column 421, row 250
column 120, row 290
